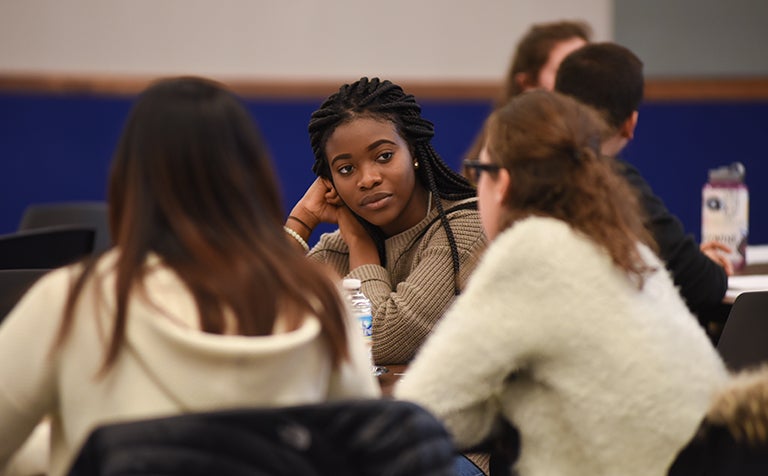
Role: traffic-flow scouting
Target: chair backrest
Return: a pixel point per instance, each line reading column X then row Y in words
column 45, row 247
column 81, row 214
column 744, row 340
column 367, row 437
column 13, row 284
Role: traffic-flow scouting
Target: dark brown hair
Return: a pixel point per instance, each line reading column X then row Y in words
column 531, row 54
column 533, row 49
column 191, row 182
column 606, row 76
column 550, row 144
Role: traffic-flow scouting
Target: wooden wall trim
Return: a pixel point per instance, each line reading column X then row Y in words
column 656, row 89
column 251, row 88
column 698, row 89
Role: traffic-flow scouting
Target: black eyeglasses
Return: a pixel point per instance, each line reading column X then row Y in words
column 473, row 168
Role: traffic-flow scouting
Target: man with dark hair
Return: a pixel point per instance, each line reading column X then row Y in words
column 609, row 78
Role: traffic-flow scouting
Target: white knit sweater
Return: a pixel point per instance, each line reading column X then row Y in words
column 599, row 377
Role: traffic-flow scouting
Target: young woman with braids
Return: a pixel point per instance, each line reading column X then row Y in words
column 203, row 304
column 570, row 328
column 408, row 225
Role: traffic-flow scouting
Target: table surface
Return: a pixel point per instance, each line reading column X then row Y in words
column 734, row 285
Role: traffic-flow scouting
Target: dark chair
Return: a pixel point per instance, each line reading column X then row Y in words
column 80, row 214
column 744, row 340
column 45, row 248
column 354, row 438
column 13, row 284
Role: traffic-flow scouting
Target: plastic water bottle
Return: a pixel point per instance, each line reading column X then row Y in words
column 361, row 306
column 725, row 211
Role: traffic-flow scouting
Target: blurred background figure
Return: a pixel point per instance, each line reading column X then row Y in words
column 203, row 304
column 609, row 78
column 535, row 61
column 539, row 54
column 570, row 329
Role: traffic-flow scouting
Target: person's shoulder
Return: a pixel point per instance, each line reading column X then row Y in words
column 528, row 260
column 635, row 179
column 541, row 243
column 47, row 296
column 50, row 288
column 538, row 232
column 464, row 220
column 460, row 213
column 461, row 208
column 61, row 279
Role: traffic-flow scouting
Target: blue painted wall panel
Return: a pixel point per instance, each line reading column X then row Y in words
column 58, row 147
column 677, row 143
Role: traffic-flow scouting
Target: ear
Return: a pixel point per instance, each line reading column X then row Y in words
column 328, row 183
column 627, row 128
column 524, row 81
column 502, row 185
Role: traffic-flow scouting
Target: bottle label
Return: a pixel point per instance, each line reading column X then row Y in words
column 366, row 324
column 725, row 219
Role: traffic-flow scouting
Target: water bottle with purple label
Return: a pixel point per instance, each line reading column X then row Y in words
column 725, row 211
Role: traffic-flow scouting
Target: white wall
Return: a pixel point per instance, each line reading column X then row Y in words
column 276, row 39
column 707, row 38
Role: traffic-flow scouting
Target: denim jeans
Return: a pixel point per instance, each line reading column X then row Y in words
column 465, row 467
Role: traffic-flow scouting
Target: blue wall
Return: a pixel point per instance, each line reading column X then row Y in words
column 677, row 143
column 58, row 147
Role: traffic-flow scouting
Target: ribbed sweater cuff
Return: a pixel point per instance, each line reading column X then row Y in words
column 369, row 272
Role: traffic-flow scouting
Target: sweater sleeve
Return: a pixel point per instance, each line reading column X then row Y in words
column 445, row 380
column 701, row 281
column 403, row 317
column 27, row 377
column 460, row 372
column 331, row 251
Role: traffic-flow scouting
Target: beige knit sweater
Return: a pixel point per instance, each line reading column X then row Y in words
column 413, row 290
